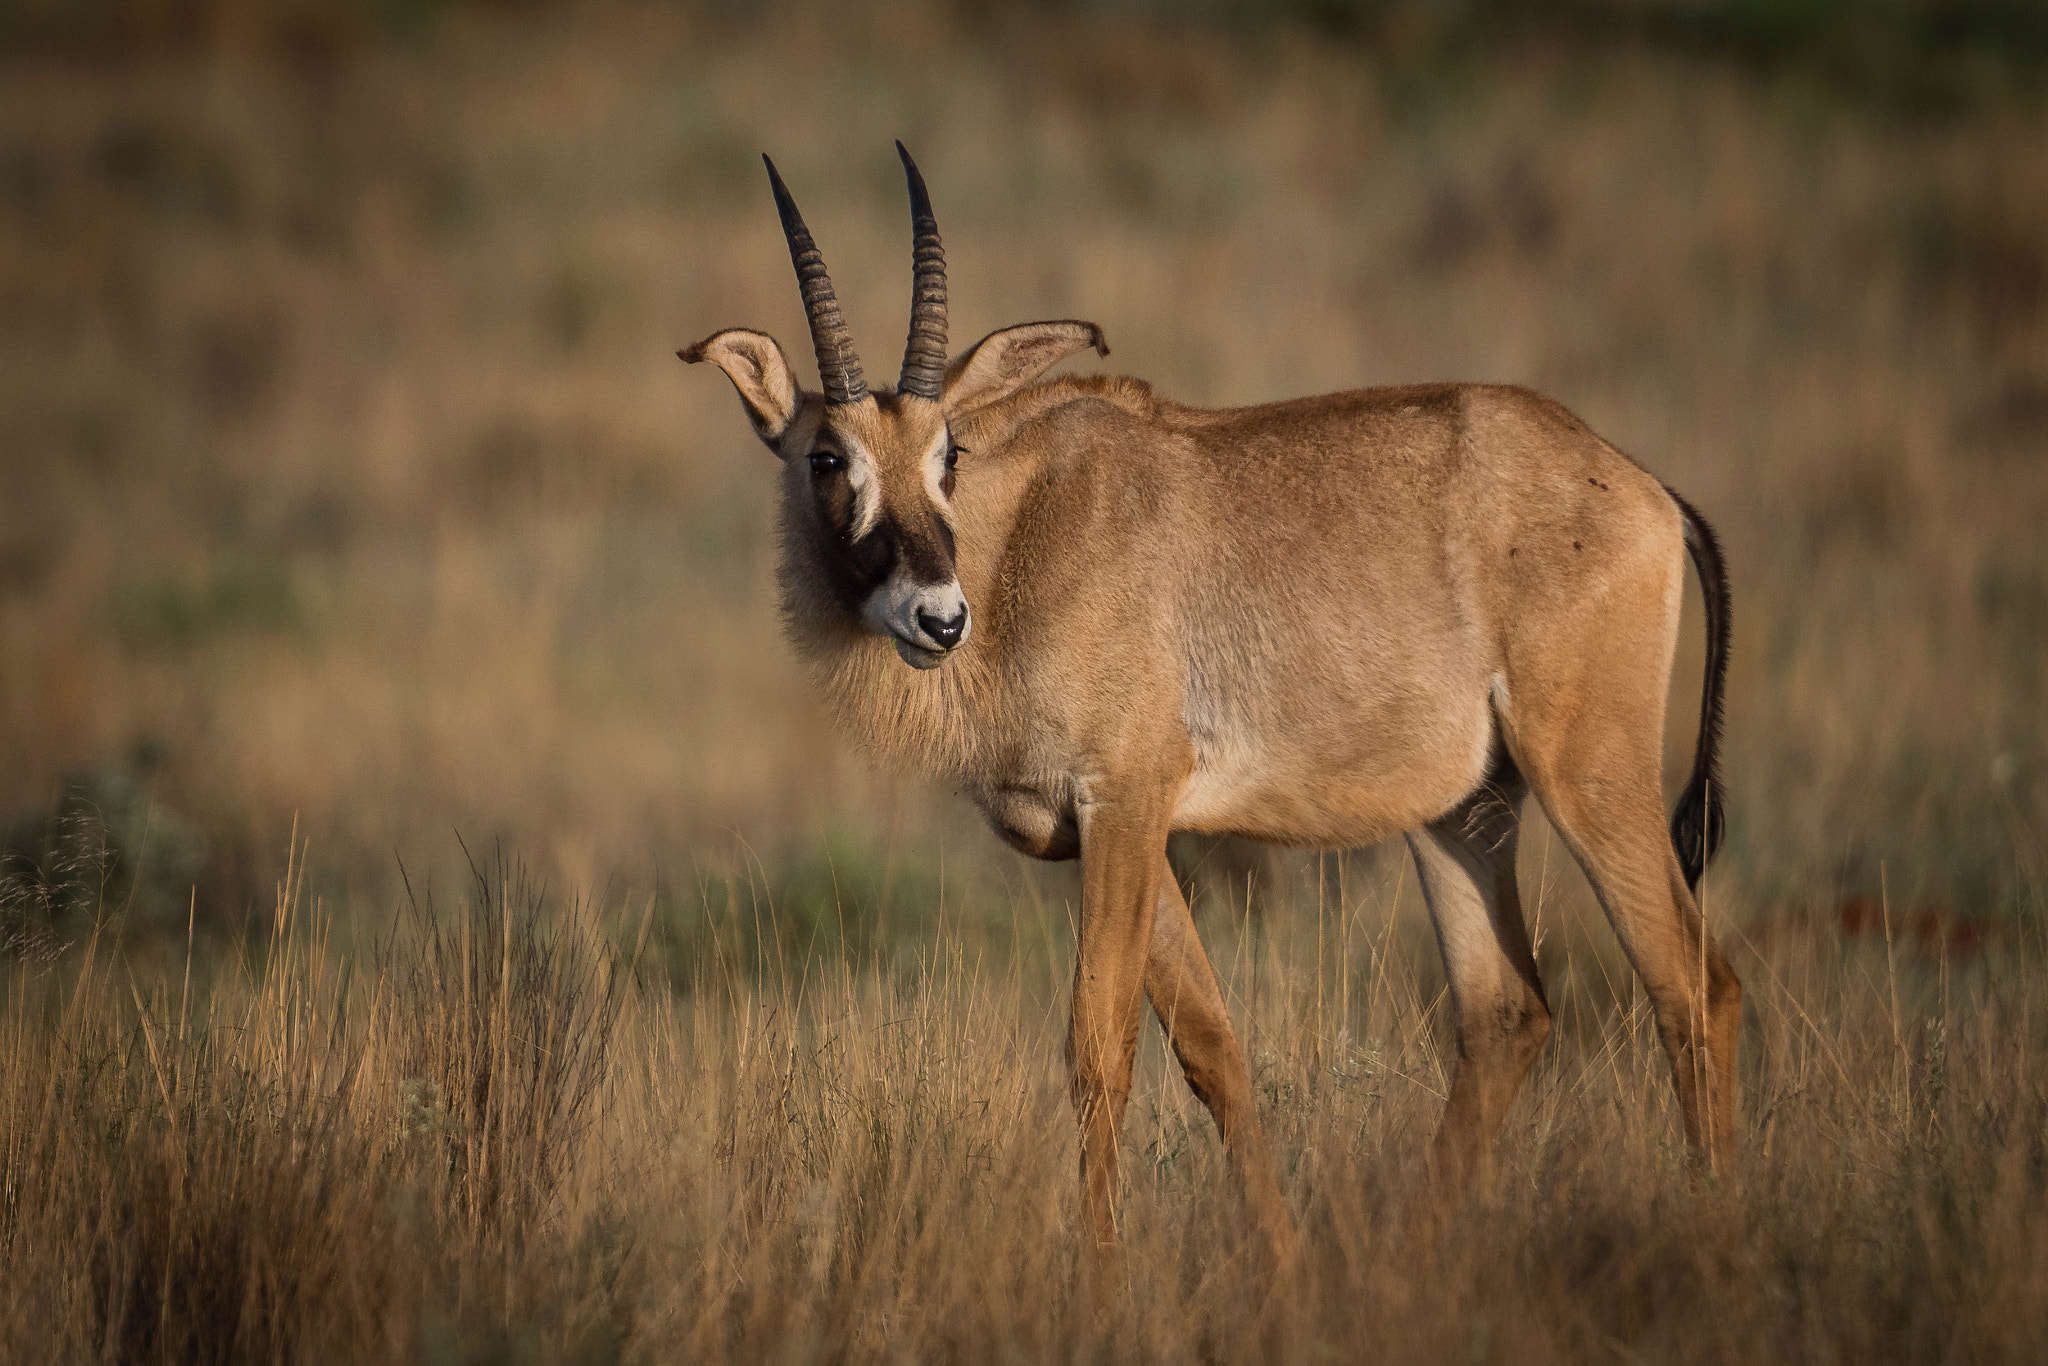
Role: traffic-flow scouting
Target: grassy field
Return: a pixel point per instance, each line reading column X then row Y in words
column 503, row 1135
column 356, row 518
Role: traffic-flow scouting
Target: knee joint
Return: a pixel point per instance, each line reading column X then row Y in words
column 1089, row 1077
column 1532, row 1027
column 1516, row 1025
column 1724, row 988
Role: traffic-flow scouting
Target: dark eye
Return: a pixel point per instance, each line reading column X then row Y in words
column 826, row 462
column 953, row 454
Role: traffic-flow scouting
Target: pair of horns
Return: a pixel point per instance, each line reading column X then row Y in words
column 924, row 357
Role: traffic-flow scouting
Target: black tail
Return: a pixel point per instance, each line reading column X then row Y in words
column 1698, row 824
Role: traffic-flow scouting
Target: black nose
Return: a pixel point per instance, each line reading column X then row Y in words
column 947, row 633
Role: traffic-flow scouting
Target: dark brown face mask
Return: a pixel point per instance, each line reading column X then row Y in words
column 912, row 541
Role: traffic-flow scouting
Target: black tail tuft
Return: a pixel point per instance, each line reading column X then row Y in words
column 1698, row 824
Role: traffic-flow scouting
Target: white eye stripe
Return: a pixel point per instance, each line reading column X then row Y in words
column 935, row 473
column 864, row 475
column 866, row 480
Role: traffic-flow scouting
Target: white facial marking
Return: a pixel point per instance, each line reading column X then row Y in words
column 935, row 474
column 866, row 478
column 893, row 610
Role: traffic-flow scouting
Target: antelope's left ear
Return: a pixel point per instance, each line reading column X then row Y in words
column 1003, row 362
column 759, row 370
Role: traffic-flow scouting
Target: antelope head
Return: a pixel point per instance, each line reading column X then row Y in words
column 868, row 483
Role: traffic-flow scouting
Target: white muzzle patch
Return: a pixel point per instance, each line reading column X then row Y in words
column 909, row 613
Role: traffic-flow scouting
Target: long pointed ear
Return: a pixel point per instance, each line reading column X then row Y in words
column 759, row 370
column 1003, row 362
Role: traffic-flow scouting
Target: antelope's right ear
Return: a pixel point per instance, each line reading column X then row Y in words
column 759, row 370
column 1003, row 362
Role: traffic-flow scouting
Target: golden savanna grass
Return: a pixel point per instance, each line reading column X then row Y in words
column 497, row 1136
column 348, row 484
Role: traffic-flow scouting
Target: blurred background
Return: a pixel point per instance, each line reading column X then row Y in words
column 348, row 481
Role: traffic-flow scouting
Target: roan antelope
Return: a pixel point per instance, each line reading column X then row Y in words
column 1319, row 622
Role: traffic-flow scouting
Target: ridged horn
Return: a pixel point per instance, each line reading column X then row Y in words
column 838, row 365
column 924, row 356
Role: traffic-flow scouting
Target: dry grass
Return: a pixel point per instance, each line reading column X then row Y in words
column 495, row 1144
column 349, row 480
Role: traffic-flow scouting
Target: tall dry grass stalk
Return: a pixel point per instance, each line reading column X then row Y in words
column 315, row 1157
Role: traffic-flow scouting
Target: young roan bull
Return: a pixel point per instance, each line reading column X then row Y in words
column 1322, row 622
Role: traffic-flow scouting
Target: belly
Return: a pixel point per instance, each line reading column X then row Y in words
column 1357, row 785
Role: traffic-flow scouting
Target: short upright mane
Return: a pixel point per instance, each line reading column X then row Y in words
column 1134, row 396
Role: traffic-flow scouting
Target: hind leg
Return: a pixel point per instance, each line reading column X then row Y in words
column 1581, row 709
column 1466, row 861
column 1606, row 801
